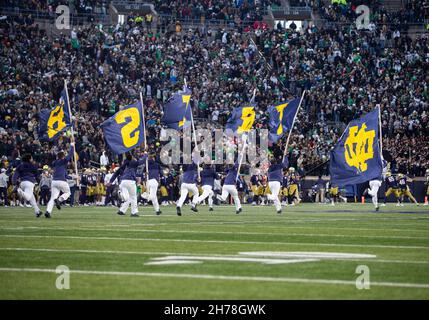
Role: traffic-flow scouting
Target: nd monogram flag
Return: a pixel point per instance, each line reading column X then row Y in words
column 56, row 120
column 281, row 118
column 241, row 119
column 356, row 157
column 124, row 131
column 177, row 110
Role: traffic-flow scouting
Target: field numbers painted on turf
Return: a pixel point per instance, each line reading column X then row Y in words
column 63, row 20
column 263, row 257
column 362, row 281
column 362, row 22
column 63, row 280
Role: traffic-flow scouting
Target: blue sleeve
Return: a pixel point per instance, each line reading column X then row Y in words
column 69, row 156
column 142, row 160
column 285, row 162
column 116, row 174
column 236, row 164
column 36, row 174
column 16, row 175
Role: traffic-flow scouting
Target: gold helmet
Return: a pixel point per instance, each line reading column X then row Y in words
column 291, row 169
column 45, row 167
column 400, row 175
column 427, row 171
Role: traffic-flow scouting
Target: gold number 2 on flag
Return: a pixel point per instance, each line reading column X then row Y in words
column 128, row 138
column 248, row 117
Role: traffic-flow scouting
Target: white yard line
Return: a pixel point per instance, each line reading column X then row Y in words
column 220, row 277
column 216, row 241
column 365, row 222
column 216, row 232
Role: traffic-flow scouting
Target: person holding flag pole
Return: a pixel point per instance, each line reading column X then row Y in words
column 193, row 132
column 241, row 121
column 53, row 122
column 74, row 158
column 189, row 180
column 153, row 170
column 357, row 156
column 123, row 132
column 177, row 115
column 375, row 184
column 282, row 119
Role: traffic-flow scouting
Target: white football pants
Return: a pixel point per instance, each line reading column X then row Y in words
column 185, row 188
column 26, row 191
column 129, row 195
column 274, row 196
column 207, row 192
column 374, row 185
column 152, row 185
column 229, row 189
column 57, row 187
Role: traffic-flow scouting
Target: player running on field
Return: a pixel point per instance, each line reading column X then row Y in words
column 59, row 181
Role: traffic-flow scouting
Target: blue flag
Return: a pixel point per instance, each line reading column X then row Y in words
column 281, row 118
column 177, row 110
column 124, row 131
column 356, row 157
column 55, row 121
column 242, row 119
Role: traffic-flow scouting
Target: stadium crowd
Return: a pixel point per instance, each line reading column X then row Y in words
column 345, row 72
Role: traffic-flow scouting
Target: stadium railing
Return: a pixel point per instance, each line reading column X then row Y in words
column 75, row 18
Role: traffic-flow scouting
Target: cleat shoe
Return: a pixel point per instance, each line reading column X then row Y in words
column 57, row 204
column 377, row 209
column 382, row 205
column 210, row 209
column 38, row 214
column 194, row 208
column 134, row 215
column 47, row 215
column 279, row 212
column 120, row 213
column 238, row 211
column 178, row 211
column 158, row 212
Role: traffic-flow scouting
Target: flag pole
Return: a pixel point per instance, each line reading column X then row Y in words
column 381, row 135
column 144, row 136
column 193, row 131
column 244, row 142
column 293, row 123
column 72, row 134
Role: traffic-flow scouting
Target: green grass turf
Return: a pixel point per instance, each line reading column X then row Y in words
column 95, row 239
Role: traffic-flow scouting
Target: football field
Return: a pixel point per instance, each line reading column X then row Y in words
column 309, row 252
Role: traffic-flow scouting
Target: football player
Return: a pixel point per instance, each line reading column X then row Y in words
column 405, row 189
column 392, row 187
